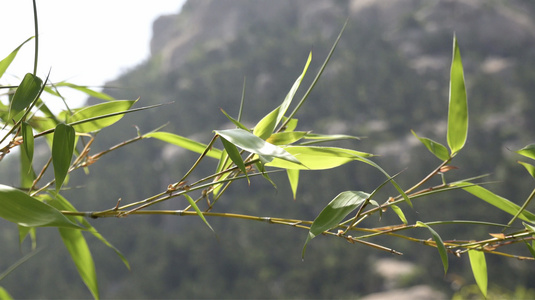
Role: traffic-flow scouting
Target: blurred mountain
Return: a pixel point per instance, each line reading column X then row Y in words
column 389, row 74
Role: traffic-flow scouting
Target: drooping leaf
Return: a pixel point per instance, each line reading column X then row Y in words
column 529, row 167
column 198, row 211
column 27, row 173
column 6, row 62
column 28, row 141
column 400, row 213
column 26, row 93
column 318, row 158
column 265, row 127
column 528, row 151
column 24, row 232
column 286, row 138
column 334, row 213
column 531, row 249
column 289, row 97
column 498, row 201
column 440, row 245
column 458, row 105
column 184, row 143
column 62, row 150
column 99, row 110
column 77, row 246
column 436, row 148
column 479, row 269
column 17, row 207
column 235, row 156
column 293, row 178
column 86, row 90
column 250, row 142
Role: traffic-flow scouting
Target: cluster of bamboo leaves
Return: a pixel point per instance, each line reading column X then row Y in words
column 273, row 144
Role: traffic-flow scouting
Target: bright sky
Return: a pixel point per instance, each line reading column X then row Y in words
column 84, row 42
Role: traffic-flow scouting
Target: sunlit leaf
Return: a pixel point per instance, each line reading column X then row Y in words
column 4, row 295
column 289, row 97
column 266, row 126
column 291, row 125
column 62, row 150
column 26, row 93
column 528, row 151
column 236, row 122
column 99, row 110
column 234, row 155
column 286, row 137
column 250, row 142
column 318, row 158
column 321, row 138
column 86, row 90
column 197, row 210
column 400, row 213
column 6, row 62
column 17, row 207
column 440, row 245
column 184, row 143
column 293, row 178
column 458, row 106
column 495, row 200
column 436, row 148
column 529, row 167
column 529, row 227
column 77, row 246
column 334, row 213
column 479, row 269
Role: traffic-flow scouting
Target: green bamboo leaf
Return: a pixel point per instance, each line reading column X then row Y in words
column 321, row 138
column 400, row 213
column 250, row 142
column 265, row 127
column 28, row 141
column 286, row 138
column 26, row 93
column 318, row 158
column 495, row 200
column 436, row 148
column 17, row 207
column 458, row 106
column 4, row 295
column 529, row 228
column 77, row 246
column 99, row 110
column 17, row 264
column 529, row 167
column 528, row 151
column 334, row 213
column 289, row 97
column 479, row 269
column 293, row 178
column 530, row 248
column 27, row 174
column 86, row 90
column 62, row 151
column 184, row 143
column 24, row 232
column 290, row 125
column 6, row 62
column 235, row 156
column 440, row 245
column 236, row 122
column 197, row 210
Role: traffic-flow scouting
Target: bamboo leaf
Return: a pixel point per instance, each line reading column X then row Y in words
column 99, row 110
column 6, row 62
column 266, row 126
column 293, row 178
column 17, row 207
column 17, row 264
column 4, row 295
column 250, row 142
column 436, row 148
column 77, row 246
column 495, row 200
column 236, row 122
column 86, row 90
column 321, row 138
column 289, row 97
column 528, row 151
column 286, row 138
column 318, row 158
column 26, row 93
column 184, row 143
column 28, row 141
column 458, row 106
column 529, row 167
column 334, row 213
column 400, row 213
column 235, row 156
column 479, row 269
column 440, row 245
column 197, row 210
column 62, row 150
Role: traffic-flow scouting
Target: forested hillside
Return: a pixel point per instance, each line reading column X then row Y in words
column 389, row 74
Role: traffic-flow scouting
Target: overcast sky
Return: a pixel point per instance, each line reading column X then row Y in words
column 84, row 42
